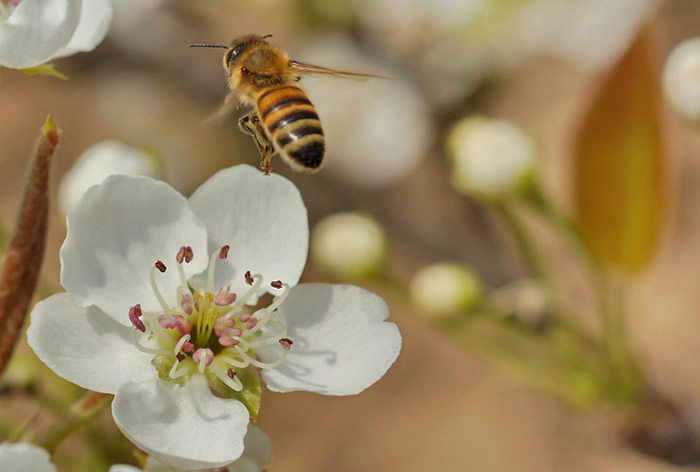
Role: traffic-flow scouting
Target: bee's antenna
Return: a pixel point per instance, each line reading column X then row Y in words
column 201, row 45
column 267, row 36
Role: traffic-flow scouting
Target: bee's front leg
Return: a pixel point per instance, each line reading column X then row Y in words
column 250, row 124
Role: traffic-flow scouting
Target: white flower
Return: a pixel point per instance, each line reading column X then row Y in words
column 682, row 78
column 349, row 245
column 23, row 457
column 163, row 342
column 491, row 159
column 99, row 162
column 445, row 288
column 36, row 31
column 256, row 456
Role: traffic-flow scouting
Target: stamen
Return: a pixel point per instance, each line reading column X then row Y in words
column 145, row 349
column 160, row 266
column 224, row 297
column 248, row 278
column 257, row 278
column 183, row 279
column 181, row 343
column 184, row 254
column 223, row 253
column 230, row 372
column 286, row 343
column 204, row 357
column 259, row 364
column 230, row 336
column 222, row 323
column 134, row 314
column 276, row 284
column 264, row 314
column 180, row 257
column 232, row 382
column 186, row 303
column 155, row 289
column 233, row 362
column 176, row 372
column 211, row 272
column 180, row 356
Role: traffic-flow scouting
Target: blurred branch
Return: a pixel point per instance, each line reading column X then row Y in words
column 82, row 412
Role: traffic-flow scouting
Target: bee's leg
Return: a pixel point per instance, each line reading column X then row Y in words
column 250, row 124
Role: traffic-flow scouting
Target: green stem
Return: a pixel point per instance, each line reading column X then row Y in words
column 608, row 297
column 527, row 248
column 81, row 413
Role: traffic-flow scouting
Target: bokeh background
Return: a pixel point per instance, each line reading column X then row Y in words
column 538, row 63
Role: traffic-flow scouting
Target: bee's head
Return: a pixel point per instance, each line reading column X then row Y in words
column 237, row 46
column 240, row 44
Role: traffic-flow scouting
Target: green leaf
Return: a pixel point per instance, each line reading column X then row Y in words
column 45, row 69
column 621, row 166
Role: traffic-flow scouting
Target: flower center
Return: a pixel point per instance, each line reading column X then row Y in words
column 211, row 332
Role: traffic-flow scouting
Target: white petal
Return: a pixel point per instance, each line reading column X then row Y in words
column 97, row 163
column 116, row 233
column 257, row 454
column 35, row 30
column 85, row 346
column 124, row 468
column 187, row 427
column 22, row 457
column 92, row 28
column 341, row 343
column 262, row 218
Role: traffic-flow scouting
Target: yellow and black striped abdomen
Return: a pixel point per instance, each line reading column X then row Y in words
column 292, row 123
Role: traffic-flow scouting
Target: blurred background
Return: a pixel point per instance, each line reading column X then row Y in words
column 581, row 78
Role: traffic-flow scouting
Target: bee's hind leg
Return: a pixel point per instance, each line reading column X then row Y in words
column 250, row 124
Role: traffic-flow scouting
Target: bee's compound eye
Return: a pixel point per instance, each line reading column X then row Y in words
column 231, row 55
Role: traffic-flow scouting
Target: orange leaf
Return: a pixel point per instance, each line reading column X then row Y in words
column 621, row 165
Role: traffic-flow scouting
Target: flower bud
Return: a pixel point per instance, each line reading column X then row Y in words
column 491, row 159
column 445, row 288
column 349, row 245
column 682, row 78
column 99, row 162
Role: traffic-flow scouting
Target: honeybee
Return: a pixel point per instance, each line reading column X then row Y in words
column 283, row 119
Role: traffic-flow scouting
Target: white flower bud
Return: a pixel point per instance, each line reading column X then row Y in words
column 349, row 245
column 99, row 162
column 445, row 289
column 682, row 78
column 491, row 159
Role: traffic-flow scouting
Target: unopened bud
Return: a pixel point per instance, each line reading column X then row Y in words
column 445, row 289
column 491, row 159
column 682, row 78
column 349, row 245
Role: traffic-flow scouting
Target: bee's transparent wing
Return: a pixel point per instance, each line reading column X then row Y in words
column 304, row 68
column 230, row 104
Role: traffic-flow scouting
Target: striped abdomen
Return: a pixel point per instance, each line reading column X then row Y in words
column 292, row 123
